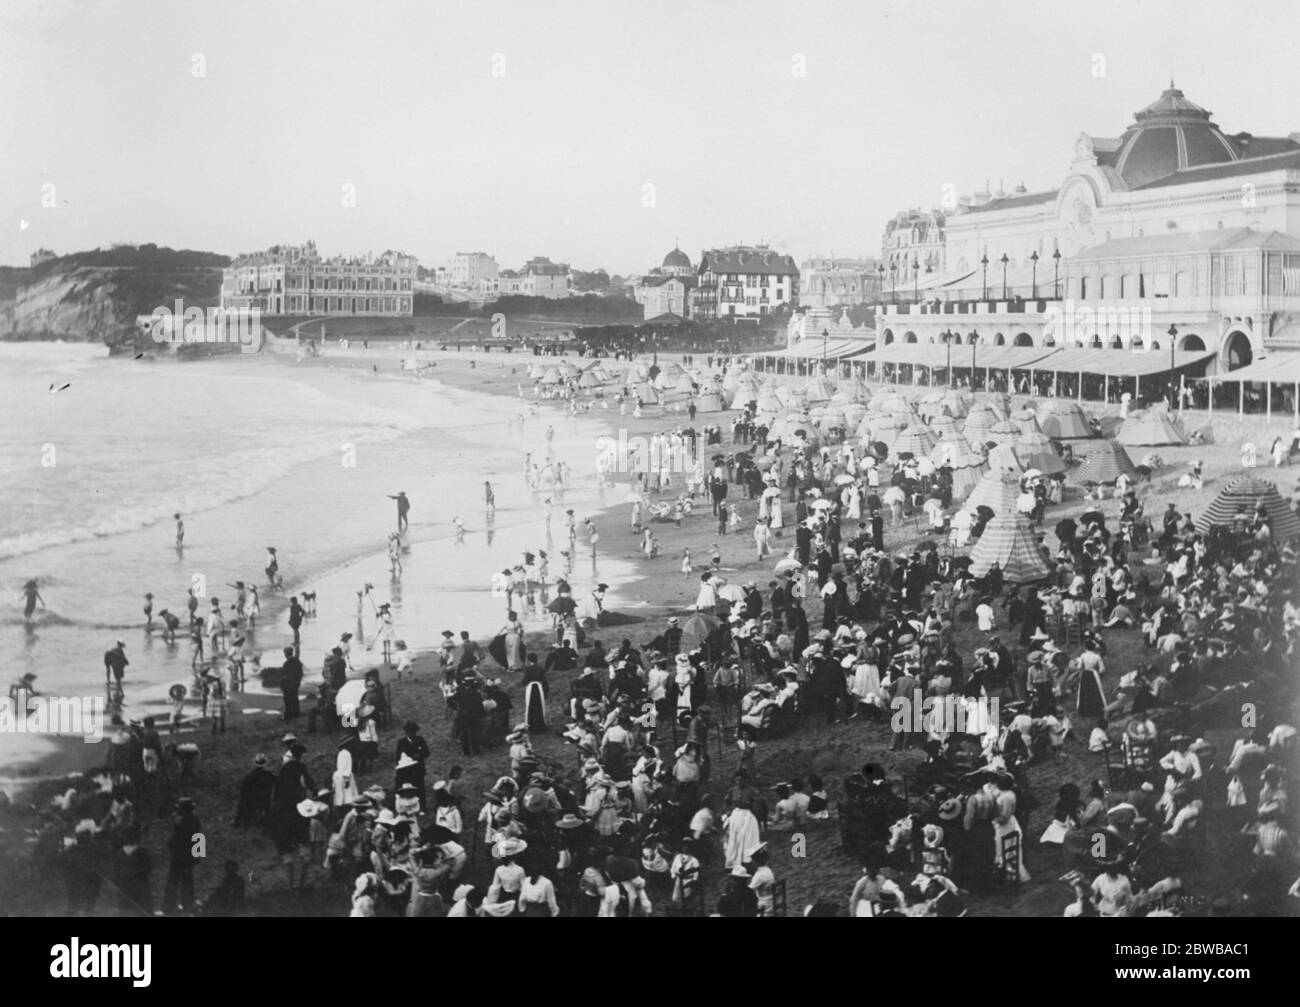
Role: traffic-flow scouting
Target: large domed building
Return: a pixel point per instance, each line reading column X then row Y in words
column 664, row 292
column 1173, row 232
column 677, row 263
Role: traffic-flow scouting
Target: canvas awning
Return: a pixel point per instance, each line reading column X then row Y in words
column 1118, row 363
column 832, row 348
column 936, row 355
column 1282, row 368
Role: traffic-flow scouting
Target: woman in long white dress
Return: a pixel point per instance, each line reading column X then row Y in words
column 707, row 599
column 866, row 679
column 740, row 837
column 513, row 631
column 775, row 513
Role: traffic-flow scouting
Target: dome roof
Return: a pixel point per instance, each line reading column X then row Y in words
column 677, row 259
column 1169, row 134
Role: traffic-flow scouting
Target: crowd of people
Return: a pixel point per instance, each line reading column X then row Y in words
column 977, row 688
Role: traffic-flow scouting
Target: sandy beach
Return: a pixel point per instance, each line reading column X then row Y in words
column 642, row 591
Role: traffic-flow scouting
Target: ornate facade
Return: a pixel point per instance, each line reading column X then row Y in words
column 1173, row 222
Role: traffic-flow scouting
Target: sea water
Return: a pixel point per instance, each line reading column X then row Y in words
column 257, row 452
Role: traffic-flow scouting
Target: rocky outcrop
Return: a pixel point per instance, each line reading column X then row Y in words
column 81, row 303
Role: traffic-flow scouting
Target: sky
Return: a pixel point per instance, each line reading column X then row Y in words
column 598, row 133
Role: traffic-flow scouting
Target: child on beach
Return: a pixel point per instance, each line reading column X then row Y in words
column 148, row 612
column 180, row 532
column 686, row 563
column 216, row 703
column 196, row 644
column 716, row 557
column 253, row 606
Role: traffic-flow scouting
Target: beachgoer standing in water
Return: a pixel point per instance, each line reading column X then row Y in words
column 403, row 508
column 148, row 611
column 180, row 532
column 272, row 568
column 296, row 614
column 395, row 556
column 115, row 662
column 489, row 497
column 32, row 596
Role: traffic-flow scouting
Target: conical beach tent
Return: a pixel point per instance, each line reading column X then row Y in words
column 1035, row 451
column 1244, row 495
column 979, row 423
column 708, row 402
column 887, row 428
column 1065, row 421
column 997, row 491
column 917, row 439
column 817, row 390
column 1004, row 432
column 1003, row 459
column 1151, row 427
column 945, row 426
column 1008, row 542
column 648, row 394
column 1105, row 465
column 955, row 403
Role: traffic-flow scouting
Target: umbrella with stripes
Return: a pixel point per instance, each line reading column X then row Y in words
column 1242, row 497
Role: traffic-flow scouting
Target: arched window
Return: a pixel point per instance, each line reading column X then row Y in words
column 999, row 340
column 1192, row 342
column 909, row 337
column 1023, row 339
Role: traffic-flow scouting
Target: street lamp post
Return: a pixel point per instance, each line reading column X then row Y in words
column 948, row 337
column 881, row 270
column 825, row 337
column 974, row 339
column 984, row 262
column 916, row 278
column 1005, row 260
column 1033, row 257
column 893, row 278
column 1173, row 339
column 1056, row 273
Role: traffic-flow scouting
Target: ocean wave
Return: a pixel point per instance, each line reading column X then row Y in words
column 242, row 475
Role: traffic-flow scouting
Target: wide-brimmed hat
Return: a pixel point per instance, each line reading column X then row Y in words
column 387, row 817
column 511, row 846
column 259, row 759
column 310, row 809
column 406, row 762
column 949, row 809
column 408, row 788
column 569, row 821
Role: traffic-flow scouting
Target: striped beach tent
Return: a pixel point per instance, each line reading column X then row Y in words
column 979, row 423
column 1065, row 420
column 945, row 426
column 1003, row 459
column 1106, row 464
column 1008, row 541
column 817, row 390
column 709, row 402
column 854, row 389
column 887, row 428
column 916, row 438
column 888, row 402
column 997, row 491
column 1150, row 427
column 1004, row 432
column 1035, row 450
column 1243, row 496
column 956, row 403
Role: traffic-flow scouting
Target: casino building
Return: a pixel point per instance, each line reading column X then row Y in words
column 1170, row 249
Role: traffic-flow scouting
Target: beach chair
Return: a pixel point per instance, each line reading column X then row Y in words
column 1010, row 849
column 778, row 898
column 1116, row 767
